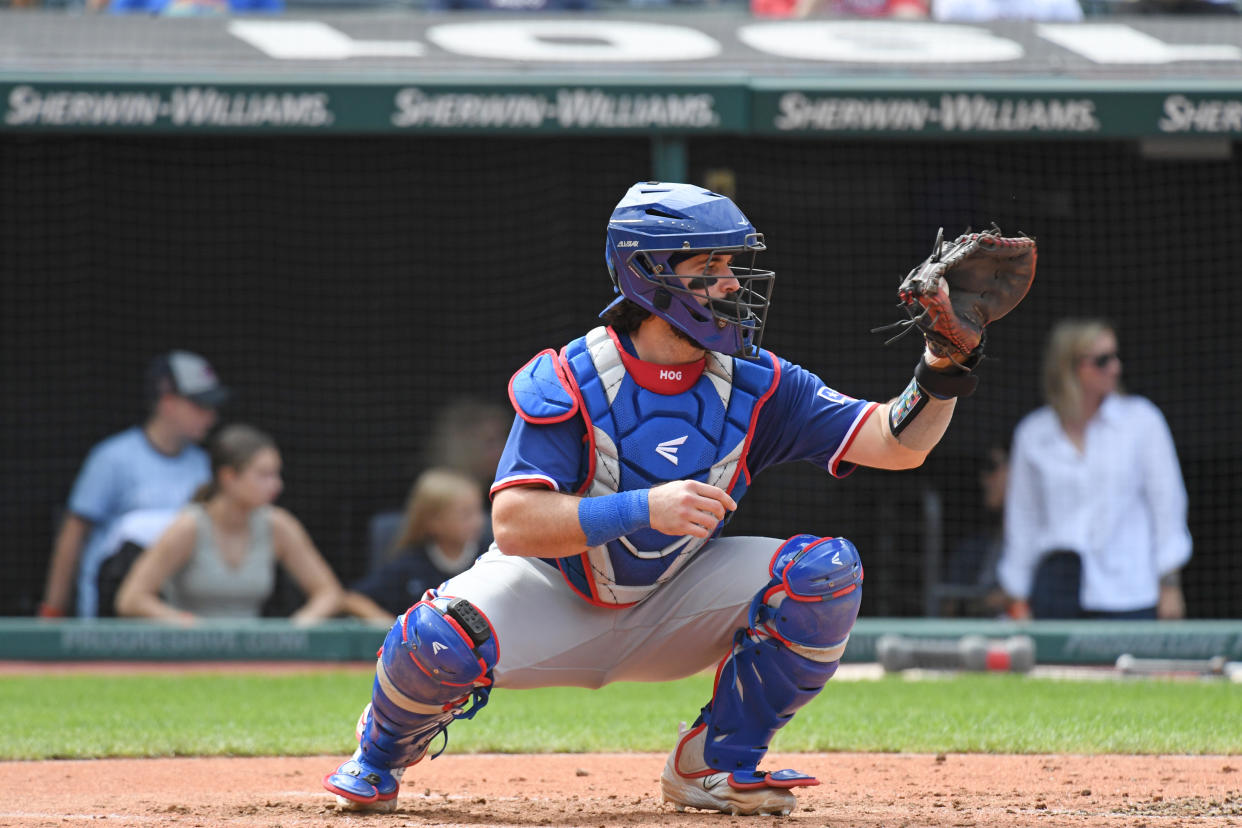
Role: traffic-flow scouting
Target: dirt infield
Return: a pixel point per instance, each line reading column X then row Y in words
column 616, row 790
column 863, row 790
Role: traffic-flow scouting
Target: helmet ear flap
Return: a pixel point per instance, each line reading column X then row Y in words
column 662, row 298
column 649, row 263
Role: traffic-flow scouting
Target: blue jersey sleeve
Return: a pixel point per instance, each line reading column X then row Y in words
column 806, row 420
column 94, row 494
column 551, row 455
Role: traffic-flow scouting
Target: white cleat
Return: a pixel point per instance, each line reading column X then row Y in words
column 713, row 793
column 687, row 782
column 380, row 807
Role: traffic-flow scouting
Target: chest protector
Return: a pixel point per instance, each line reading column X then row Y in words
column 638, row 438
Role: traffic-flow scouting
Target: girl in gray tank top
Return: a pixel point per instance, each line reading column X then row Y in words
column 211, row 587
column 218, row 558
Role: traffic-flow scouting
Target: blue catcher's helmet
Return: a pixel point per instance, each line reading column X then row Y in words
column 657, row 222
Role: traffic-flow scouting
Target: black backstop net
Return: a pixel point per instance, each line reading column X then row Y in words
column 354, row 290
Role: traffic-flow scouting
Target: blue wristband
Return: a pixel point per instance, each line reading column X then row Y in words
column 613, row 516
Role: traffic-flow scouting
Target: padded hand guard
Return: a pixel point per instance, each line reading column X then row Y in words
column 964, row 286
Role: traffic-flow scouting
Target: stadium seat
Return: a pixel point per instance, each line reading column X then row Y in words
column 381, row 530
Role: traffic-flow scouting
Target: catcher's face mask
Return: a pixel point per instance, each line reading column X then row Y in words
column 656, row 227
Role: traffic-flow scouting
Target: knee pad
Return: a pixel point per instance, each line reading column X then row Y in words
column 437, row 657
column 798, row 627
column 812, row 601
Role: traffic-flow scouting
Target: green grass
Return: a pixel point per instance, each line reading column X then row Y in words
column 247, row 715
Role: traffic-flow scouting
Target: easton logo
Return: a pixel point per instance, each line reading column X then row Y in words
column 836, row 559
column 668, row 449
column 436, row 647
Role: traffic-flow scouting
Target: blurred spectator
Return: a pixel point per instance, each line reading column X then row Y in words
column 442, row 532
column 972, row 560
column 1094, row 488
column 898, row 9
column 1207, row 7
column 218, row 558
column 189, row 8
column 155, row 466
column 978, row 11
column 508, row 5
column 470, row 436
column 131, row 534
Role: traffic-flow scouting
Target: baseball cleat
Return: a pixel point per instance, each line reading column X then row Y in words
column 687, row 782
column 361, row 786
column 386, row 806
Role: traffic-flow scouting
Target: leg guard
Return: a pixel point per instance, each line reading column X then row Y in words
column 797, row 631
column 436, row 658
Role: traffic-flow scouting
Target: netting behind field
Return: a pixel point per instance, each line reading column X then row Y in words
column 349, row 289
column 1144, row 243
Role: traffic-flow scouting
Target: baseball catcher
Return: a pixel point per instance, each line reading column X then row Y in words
column 631, row 448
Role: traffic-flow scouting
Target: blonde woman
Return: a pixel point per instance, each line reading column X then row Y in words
column 1095, row 513
column 441, row 533
column 218, row 558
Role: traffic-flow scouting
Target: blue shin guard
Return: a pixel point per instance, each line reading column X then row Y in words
column 437, row 658
column 797, row 631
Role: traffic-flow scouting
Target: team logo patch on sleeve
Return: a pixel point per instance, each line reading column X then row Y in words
column 834, row 396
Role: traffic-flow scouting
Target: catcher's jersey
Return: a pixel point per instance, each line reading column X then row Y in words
column 595, row 419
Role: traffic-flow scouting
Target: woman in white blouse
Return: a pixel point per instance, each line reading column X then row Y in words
column 1094, row 479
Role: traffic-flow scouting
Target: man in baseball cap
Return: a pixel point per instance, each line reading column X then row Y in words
column 154, row 468
column 187, row 375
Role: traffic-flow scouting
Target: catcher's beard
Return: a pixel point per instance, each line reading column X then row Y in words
column 687, row 338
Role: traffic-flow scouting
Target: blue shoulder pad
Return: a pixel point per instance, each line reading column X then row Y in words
column 756, row 376
column 540, row 393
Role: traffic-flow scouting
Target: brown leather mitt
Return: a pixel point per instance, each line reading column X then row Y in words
column 964, row 286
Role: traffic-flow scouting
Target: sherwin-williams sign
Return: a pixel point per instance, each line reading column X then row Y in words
column 28, row 105
column 676, row 74
column 740, row 109
column 431, row 108
column 996, row 112
column 946, row 112
column 567, row 109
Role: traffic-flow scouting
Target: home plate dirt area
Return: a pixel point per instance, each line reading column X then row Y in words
column 606, row 790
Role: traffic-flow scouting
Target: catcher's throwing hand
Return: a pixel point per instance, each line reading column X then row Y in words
column 965, row 285
column 688, row 507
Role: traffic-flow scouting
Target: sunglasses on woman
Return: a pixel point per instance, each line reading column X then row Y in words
column 1101, row 361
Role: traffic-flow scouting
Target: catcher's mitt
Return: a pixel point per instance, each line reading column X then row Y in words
column 964, row 286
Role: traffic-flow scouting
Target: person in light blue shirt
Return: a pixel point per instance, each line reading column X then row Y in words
column 154, row 466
